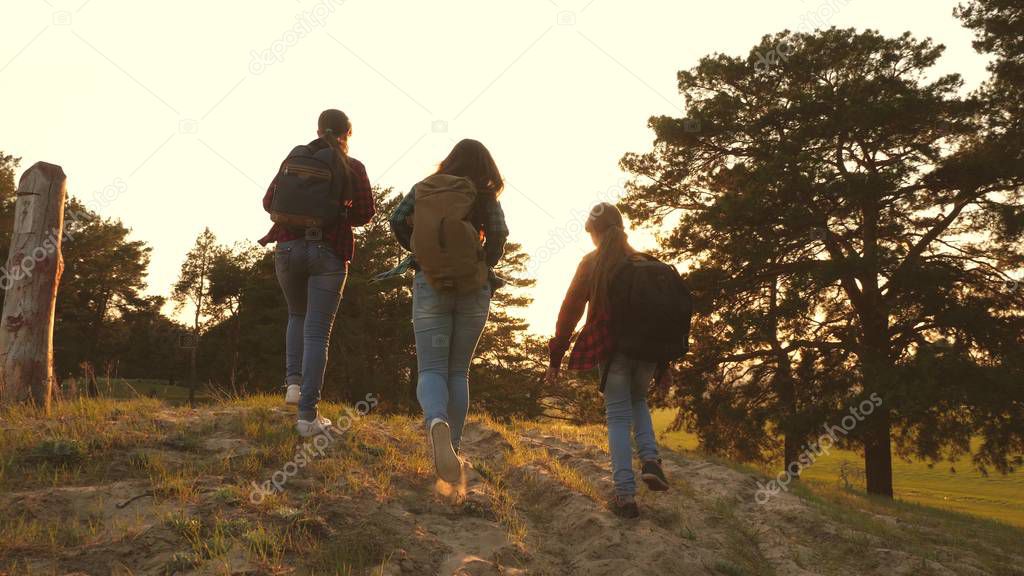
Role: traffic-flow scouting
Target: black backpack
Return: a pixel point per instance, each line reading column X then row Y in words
column 309, row 191
column 651, row 309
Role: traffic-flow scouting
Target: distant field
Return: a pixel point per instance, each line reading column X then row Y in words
column 133, row 388
column 997, row 497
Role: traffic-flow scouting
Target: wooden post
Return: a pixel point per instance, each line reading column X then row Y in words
column 30, row 277
column 192, row 378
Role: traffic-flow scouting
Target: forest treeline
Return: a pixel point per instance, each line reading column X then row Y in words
column 851, row 222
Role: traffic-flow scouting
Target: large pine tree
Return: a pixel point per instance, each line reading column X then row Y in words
column 860, row 176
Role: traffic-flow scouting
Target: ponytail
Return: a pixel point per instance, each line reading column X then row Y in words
column 334, row 123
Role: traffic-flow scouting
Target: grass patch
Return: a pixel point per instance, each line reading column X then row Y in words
column 80, row 441
column 522, row 455
column 742, row 544
column 952, row 486
column 358, row 550
column 503, row 501
column 917, row 527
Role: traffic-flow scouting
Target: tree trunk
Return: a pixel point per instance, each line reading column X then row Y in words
column 236, row 341
column 192, row 375
column 784, row 386
column 878, row 453
column 96, row 329
column 877, row 368
column 94, row 389
column 877, row 361
column 793, row 438
column 786, row 391
column 31, row 277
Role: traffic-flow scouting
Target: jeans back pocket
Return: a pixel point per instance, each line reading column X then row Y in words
column 282, row 257
column 325, row 260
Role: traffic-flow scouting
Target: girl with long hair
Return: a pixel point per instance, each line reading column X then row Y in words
column 625, row 379
column 311, row 266
column 448, row 323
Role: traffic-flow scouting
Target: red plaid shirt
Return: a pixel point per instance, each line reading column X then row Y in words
column 594, row 343
column 340, row 237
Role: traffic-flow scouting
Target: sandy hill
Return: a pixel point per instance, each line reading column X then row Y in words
column 136, row 487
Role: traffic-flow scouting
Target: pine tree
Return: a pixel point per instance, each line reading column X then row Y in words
column 103, row 282
column 865, row 178
column 193, row 287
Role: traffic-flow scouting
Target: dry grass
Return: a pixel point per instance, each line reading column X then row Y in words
column 503, row 501
column 89, row 442
column 187, row 479
column 523, row 455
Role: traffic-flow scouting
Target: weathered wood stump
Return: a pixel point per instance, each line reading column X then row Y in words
column 30, row 278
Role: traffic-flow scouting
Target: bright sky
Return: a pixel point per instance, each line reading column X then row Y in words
column 174, row 116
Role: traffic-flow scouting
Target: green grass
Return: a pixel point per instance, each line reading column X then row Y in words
column 967, row 491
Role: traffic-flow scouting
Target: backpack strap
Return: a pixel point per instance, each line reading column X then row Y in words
column 607, row 367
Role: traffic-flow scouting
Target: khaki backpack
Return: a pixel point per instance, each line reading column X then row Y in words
column 446, row 244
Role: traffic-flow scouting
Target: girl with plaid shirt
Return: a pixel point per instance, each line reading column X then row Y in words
column 311, row 266
column 447, row 324
column 625, row 379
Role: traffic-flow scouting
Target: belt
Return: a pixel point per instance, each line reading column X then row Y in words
column 311, row 234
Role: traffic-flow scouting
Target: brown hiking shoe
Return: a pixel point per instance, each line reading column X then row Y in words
column 654, row 476
column 624, row 506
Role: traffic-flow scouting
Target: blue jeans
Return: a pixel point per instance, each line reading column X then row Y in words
column 625, row 404
column 448, row 327
column 312, row 278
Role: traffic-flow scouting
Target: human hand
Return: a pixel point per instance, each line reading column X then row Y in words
column 551, row 378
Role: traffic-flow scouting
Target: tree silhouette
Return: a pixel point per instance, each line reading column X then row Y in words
column 232, row 273
column 8, row 164
column 103, row 283
column 193, row 287
column 864, row 180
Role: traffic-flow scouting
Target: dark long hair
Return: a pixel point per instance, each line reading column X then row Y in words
column 470, row 159
column 605, row 222
column 332, row 124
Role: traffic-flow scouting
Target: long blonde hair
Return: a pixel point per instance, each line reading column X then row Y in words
column 605, row 222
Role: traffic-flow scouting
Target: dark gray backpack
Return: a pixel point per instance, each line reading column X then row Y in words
column 309, row 191
column 651, row 310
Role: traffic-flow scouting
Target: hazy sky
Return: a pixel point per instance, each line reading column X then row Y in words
column 174, row 116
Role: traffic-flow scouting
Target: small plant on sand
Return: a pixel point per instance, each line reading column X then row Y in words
column 266, row 543
column 184, row 440
column 850, row 476
column 179, row 484
column 59, row 452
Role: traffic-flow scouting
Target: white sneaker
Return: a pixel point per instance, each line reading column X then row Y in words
column 307, row 428
column 292, row 395
column 446, row 461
